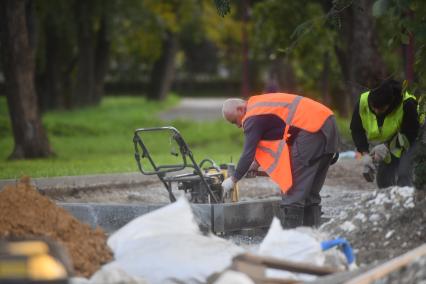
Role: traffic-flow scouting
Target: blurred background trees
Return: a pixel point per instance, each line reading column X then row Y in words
column 82, row 50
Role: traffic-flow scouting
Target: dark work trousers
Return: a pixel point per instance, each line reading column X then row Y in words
column 309, row 162
column 398, row 172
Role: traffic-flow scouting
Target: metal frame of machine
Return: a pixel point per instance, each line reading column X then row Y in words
column 203, row 185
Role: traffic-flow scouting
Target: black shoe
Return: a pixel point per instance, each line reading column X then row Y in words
column 291, row 216
column 312, row 216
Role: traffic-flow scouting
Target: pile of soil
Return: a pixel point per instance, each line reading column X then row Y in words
column 382, row 224
column 24, row 212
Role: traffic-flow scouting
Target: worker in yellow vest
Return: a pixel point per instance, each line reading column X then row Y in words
column 386, row 118
column 293, row 139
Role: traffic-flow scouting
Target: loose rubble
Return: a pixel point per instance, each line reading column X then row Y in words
column 382, row 224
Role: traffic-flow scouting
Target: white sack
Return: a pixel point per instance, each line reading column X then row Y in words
column 166, row 245
column 176, row 218
column 291, row 245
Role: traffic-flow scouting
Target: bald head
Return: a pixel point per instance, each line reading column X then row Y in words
column 233, row 110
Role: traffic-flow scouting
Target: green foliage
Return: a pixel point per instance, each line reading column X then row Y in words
column 225, row 34
column 99, row 139
column 223, row 7
column 138, row 30
column 343, row 126
column 380, row 7
column 402, row 19
column 297, row 31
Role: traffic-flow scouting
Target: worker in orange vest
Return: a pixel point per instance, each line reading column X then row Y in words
column 294, row 139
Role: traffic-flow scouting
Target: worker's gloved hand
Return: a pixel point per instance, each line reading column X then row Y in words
column 368, row 167
column 380, row 153
column 227, row 185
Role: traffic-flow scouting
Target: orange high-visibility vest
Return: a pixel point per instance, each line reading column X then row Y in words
column 274, row 155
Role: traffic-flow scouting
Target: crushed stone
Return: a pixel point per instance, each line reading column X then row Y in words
column 382, row 224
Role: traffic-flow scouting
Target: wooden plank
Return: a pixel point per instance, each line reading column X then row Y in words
column 389, row 266
column 292, row 266
column 257, row 273
column 254, row 271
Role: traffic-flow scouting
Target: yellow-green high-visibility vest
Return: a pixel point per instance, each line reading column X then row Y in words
column 388, row 132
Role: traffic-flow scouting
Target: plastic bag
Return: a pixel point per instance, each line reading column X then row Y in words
column 166, row 246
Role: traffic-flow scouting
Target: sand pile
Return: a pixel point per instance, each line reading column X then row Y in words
column 383, row 224
column 24, row 212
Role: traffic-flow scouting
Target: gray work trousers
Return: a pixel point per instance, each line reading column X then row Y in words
column 310, row 157
column 398, row 172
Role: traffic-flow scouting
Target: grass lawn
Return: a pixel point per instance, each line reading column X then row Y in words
column 99, row 139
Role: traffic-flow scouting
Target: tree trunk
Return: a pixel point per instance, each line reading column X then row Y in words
column 18, row 62
column 359, row 58
column 102, row 54
column 245, row 80
column 325, row 80
column 85, row 79
column 49, row 81
column 409, row 59
column 367, row 66
column 162, row 74
column 285, row 75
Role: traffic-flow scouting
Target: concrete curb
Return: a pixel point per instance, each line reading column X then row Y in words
column 218, row 218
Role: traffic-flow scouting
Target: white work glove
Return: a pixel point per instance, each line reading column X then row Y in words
column 227, row 185
column 380, row 153
column 367, row 162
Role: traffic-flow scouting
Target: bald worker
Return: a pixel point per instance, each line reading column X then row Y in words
column 294, row 140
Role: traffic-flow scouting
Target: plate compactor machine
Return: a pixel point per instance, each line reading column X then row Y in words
column 202, row 182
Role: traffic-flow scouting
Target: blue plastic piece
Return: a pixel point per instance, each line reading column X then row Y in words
column 343, row 245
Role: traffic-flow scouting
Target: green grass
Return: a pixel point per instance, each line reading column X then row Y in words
column 99, row 139
column 343, row 125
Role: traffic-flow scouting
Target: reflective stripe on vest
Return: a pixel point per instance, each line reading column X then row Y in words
column 274, row 156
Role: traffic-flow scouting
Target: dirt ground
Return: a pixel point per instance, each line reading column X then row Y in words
column 343, row 186
column 27, row 214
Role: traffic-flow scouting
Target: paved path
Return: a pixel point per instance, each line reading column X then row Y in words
column 87, row 181
column 198, row 109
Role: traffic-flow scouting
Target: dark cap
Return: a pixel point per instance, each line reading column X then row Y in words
column 385, row 94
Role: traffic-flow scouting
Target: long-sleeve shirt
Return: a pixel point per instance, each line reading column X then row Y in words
column 409, row 125
column 256, row 128
column 271, row 127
